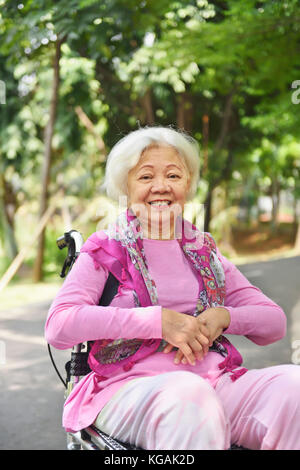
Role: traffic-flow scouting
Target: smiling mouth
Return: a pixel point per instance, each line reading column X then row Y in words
column 159, row 203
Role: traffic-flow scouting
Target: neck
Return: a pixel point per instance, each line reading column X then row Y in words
column 157, row 236
column 160, row 230
column 160, row 227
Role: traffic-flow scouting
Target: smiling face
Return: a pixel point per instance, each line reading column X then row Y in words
column 157, row 190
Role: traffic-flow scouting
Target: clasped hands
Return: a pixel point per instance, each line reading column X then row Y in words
column 192, row 335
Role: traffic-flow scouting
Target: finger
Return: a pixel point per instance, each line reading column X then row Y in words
column 204, row 330
column 178, row 357
column 188, row 353
column 168, row 348
column 195, row 345
column 200, row 344
column 204, row 341
column 197, row 349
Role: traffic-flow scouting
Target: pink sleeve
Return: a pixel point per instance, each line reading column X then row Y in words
column 252, row 313
column 75, row 316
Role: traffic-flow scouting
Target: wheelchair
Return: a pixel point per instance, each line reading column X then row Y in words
column 90, row 438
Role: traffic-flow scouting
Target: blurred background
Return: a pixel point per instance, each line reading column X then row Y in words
column 78, row 75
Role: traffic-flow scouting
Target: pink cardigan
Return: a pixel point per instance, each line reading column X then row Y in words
column 75, row 317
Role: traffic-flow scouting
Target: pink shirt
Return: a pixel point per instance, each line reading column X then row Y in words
column 75, row 317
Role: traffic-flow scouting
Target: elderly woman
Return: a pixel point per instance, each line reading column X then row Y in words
column 164, row 373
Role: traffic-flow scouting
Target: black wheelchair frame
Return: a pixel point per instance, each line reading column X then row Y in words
column 90, row 438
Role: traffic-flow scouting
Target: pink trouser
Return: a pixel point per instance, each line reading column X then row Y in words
column 180, row 410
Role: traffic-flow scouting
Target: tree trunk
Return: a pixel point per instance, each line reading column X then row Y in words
column 146, row 101
column 295, row 217
column 8, row 207
column 217, row 148
column 180, row 112
column 205, row 134
column 297, row 240
column 185, row 112
column 17, row 262
column 207, row 208
column 38, row 266
column 84, row 119
column 275, row 204
column 296, row 225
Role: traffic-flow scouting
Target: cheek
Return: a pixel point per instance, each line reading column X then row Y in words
column 136, row 193
column 182, row 191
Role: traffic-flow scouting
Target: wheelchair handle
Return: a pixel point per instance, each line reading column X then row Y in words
column 74, row 241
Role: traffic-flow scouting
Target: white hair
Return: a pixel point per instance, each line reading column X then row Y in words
column 126, row 153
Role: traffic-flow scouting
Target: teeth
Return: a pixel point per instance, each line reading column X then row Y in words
column 159, row 203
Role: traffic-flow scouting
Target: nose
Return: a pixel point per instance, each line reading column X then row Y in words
column 160, row 185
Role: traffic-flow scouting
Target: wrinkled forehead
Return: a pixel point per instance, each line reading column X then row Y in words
column 161, row 154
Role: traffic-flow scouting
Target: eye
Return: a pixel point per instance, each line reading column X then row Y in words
column 145, row 177
column 173, row 176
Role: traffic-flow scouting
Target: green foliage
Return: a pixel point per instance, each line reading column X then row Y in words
column 135, row 62
column 54, row 258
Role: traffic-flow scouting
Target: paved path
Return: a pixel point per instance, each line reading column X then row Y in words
column 280, row 280
column 32, row 395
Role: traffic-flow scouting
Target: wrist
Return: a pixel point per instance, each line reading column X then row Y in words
column 225, row 317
